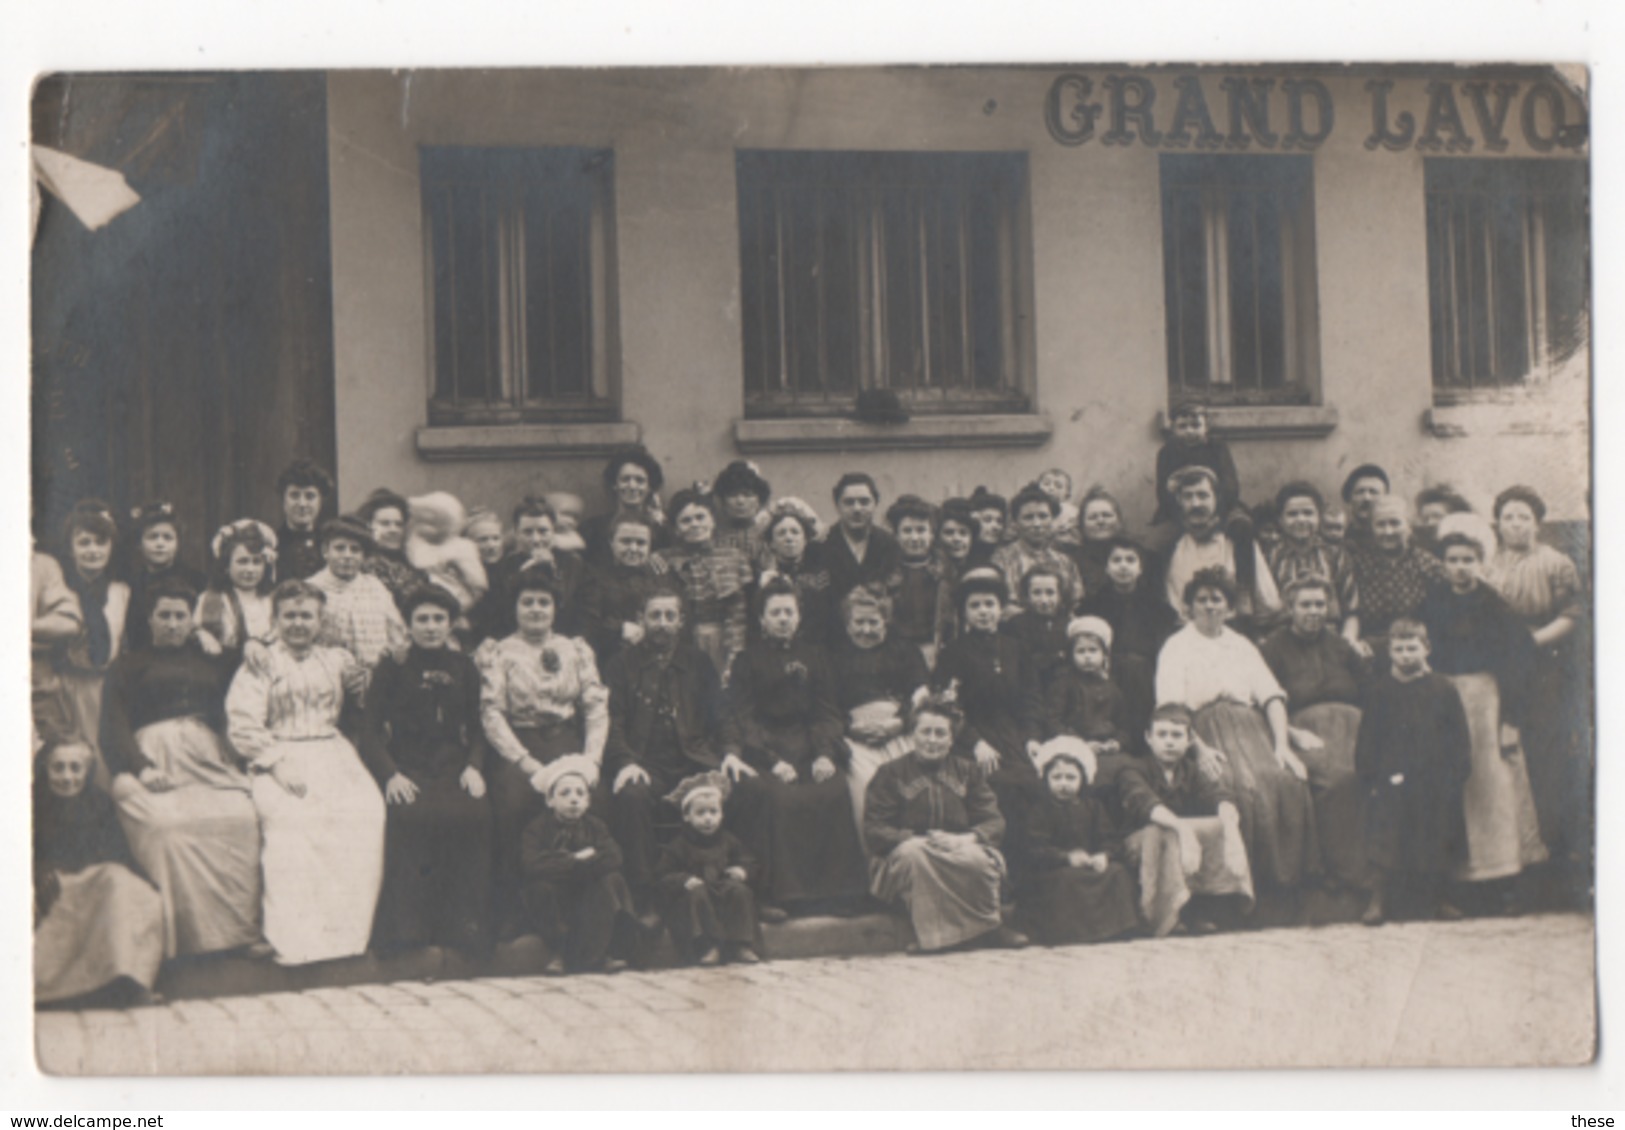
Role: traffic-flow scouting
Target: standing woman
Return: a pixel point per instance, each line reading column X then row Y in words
column 321, row 816
column 182, row 796
column 1219, row 676
column 1391, row 574
column 91, row 535
column 1487, row 652
column 633, row 479
column 425, row 746
column 1302, row 554
column 1100, row 520
column 716, row 579
column 957, row 537
column 236, row 608
column 540, row 699
column 791, row 549
column 1542, row 587
column 783, row 722
column 386, row 514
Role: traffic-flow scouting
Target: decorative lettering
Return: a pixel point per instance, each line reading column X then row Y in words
column 1382, row 133
column 1491, row 123
column 1443, row 114
column 1563, row 133
column 1191, row 109
column 1249, row 112
column 1297, row 134
column 1118, row 90
column 1069, row 116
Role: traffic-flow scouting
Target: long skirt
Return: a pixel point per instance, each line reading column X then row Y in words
column 1068, row 905
column 200, row 841
column 437, row 870
column 720, row 911
column 1557, row 746
column 1277, row 812
column 865, row 762
column 1167, row 883
column 1339, row 800
column 952, row 893
column 322, row 854
column 84, row 691
column 514, row 804
column 106, row 923
column 1503, row 833
column 804, row 837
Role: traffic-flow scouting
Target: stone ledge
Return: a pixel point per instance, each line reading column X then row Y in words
column 1527, row 417
column 1275, row 421
column 837, row 434
column 524, row 441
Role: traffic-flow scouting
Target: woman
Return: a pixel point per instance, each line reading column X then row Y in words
column 387, row 514
column 932, row 825
column 182, row 795
column 1301, row 553
column 783, row 723
column 1100, row 520
column 1323, row 676
column 1141, row 622
column 540, row 699
column 791, row 549
column 425, row 746
column 1488, row 653
column 90, row 535
column 321, row 818
column 1542, row 587
column 633, row 478
column 875, row 680
column 1391, row 575
column 236, row 607
column 1240, row 711
column 716, row 579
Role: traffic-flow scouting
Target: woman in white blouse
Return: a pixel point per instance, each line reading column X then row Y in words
column 540, row 699
column 321, row 815
column 1242, row 731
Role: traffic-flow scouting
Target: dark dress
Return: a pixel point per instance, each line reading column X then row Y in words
column 1064, row 905
column 882, row 565
column 137, row 631
column 919, row 608
column 1003, row 706
column 1141, row 623
column 1416, row 731
column 812, row 584
column 723, row 910
column 423, row 722
column 298, row 553
column 782, row 708
column 580, row 907
column 611, row 597
column 594, row 533
column 1044, row 638
column 392, row 568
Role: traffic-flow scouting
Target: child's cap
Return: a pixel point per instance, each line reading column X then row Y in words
column 712, row 783
column 570, row 765
column 1187, row 407
column 1068, row 748
column 1091, row 626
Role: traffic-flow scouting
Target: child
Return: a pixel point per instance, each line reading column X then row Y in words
column 1413, row 755
column 97, row 922
column 716, row 579
column 1034, row 512
column 156, row 536
column 920, row 607
column 1186, row 838
column 1075, row 890
column 1084, row 703
column 91, row 534
column 1040, row 626
column 360, row 615
column 1141, row 622
column 435, row 545
column 484, row 529
column 1189, row 445
column 742, row 493
column 705, row 873
column 574, row 892
column 1334, row 525
column 236, row 608
column 307, row 495
column 568, row 509
column 1058, row 485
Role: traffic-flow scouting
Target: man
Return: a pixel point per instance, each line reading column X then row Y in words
column 856, row 551
column 1204, row 544
column 1365, row 484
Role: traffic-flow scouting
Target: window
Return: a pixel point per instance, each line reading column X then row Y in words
column 901, row 272
column 1507, row 264
column 1238, row 249
column 521, row 262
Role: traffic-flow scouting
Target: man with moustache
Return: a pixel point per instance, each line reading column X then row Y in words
column 1204, row 544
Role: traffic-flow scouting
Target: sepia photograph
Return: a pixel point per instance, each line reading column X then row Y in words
column 812, row 569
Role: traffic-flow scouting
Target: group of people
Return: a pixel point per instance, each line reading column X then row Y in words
column 418, row 726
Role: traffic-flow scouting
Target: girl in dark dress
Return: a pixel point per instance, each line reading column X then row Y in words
column 1141, row 623
column 783, row 721
column 1084, row 702
column 1040, row 626
column 920, row 607
column 236, row 608
column 156, row 540
column 705, row 874
column 424, row 743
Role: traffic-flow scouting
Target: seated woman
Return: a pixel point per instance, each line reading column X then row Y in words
column 182, row 795
column 1240, row 711
column 98, row 925
column 321, row 816
column 540, row 698
column 933, row 828
column 1323, row 677
column 791, row 549
column 875, row 679
column 425, row 746
column 783, row 722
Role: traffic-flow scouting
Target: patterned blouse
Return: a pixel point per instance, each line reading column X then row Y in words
column 525, row 685
column 1329, row 563
column 361, row 617
column 715, row 579
column 1015, row 561
column 1539, row 584
column 1392, row 586
column 278, row 697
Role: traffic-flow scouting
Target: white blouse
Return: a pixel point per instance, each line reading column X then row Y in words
column 1195, row 670
column 276, row 697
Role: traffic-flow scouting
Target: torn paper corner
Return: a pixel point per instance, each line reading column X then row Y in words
column 95, row 194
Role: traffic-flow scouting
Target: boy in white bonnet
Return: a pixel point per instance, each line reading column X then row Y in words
column 704, row 878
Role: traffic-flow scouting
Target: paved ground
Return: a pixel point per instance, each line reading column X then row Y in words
column 1480, row 993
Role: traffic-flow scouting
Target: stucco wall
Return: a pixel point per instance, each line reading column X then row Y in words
column 1101, row 373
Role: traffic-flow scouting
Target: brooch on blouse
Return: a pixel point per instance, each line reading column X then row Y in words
column 438, row 679
column 796, row 669
column 551, row 662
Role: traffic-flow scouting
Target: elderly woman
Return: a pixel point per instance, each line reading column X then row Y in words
column 791, row 549
column 633, row 479
column 182, row 795
column 782, row 721
column 933, row 828
column 1323, row 677
column 1542, row 587
column 1479, row 642
column 876, row 676
column 1302, row 554
column 1391, row 574
column 321, row 816
column 540, row 698
column 1241, row 716
column 425, row 746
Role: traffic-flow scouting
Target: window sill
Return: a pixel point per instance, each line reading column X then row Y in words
column 1252, row 421
column 921, row 431
column 1502, row 417
column 524, row 441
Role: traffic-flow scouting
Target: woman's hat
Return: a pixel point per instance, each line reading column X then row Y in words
column 1071, row 748
column 348, row 526
column 570, row 765
column 688, row 788
column 742, row 477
